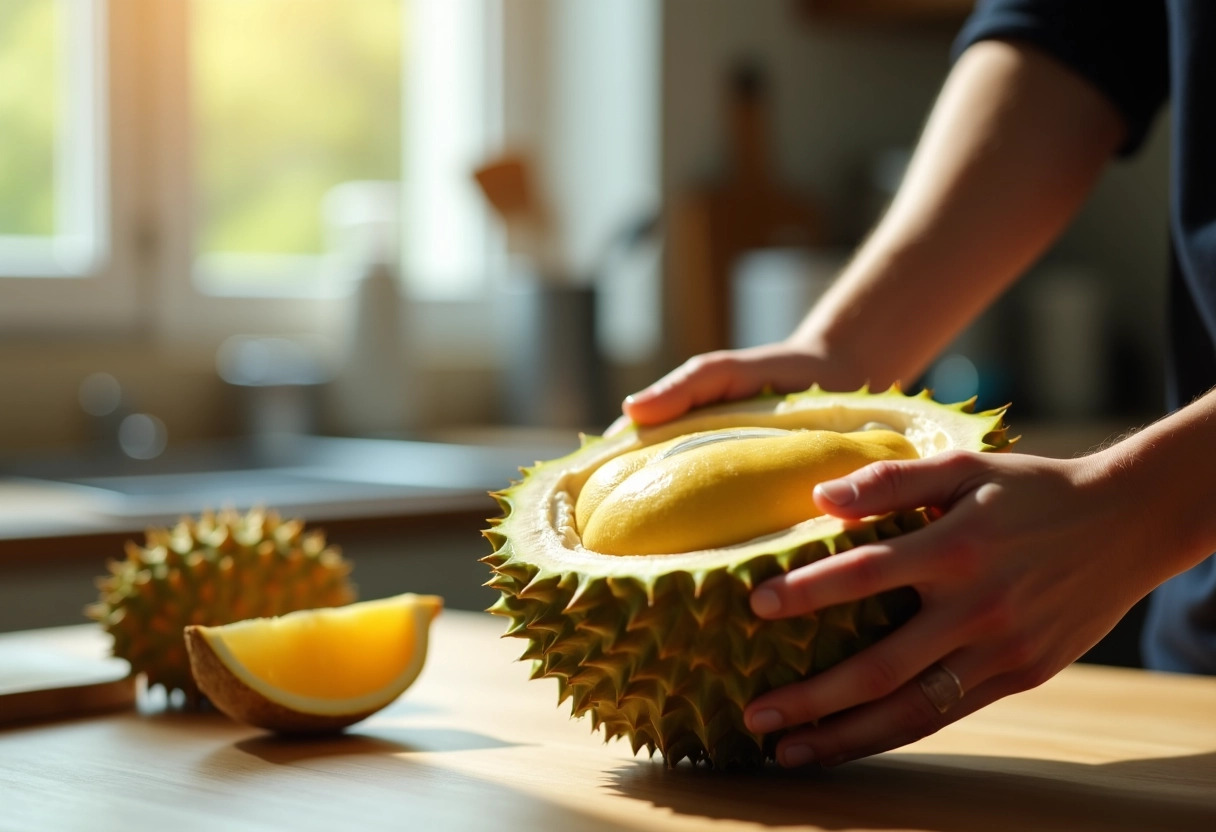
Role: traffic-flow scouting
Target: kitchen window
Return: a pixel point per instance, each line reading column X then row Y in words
column 199, row 166
column 54, row 224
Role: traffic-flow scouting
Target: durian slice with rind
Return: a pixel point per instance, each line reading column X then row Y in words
column 314, row 671
column 663, row 649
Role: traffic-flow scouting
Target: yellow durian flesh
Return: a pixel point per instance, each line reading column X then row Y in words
column 718, row 488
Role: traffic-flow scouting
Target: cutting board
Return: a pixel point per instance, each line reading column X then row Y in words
column 55, row 673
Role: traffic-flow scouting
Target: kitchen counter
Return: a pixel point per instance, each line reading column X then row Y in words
column 474, row 745
column 407, row 513
column 322, row 478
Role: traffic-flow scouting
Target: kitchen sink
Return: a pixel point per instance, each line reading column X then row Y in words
column 324, row 476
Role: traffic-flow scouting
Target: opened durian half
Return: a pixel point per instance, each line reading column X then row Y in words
column 626, row 566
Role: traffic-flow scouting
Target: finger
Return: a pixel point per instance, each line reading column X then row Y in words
column 887, row 486
column 907, row 560
column 701, row 380
column 903, row 717
column 870, row 675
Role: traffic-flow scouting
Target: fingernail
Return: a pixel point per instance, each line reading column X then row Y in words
column 837, row 492
column 766, row 602
column 766, row 721
column 797, row 755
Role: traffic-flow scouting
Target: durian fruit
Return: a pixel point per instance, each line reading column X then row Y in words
column 626, row 566
column 217, row 569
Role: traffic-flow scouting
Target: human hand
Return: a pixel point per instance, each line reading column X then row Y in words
column 1030, row 563
column 728, row 375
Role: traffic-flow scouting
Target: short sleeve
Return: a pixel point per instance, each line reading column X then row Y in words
column 1120, row 47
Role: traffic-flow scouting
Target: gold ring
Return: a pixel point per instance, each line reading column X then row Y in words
column 942, row 688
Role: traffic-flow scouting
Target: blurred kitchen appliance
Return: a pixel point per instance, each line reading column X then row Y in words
column 278, row 382
column 712, row 225
column 1068, row 342
column 980, row 362
column 772, row 289
column 372, row 393
column 509, row 183
column 553, row 374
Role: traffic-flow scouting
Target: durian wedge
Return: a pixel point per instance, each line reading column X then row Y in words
column 314, row 671
column 660, row 646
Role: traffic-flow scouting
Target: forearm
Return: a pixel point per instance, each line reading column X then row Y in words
column 1169, row 470
column 1010, row 152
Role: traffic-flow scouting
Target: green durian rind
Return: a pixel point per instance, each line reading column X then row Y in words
column 664, row 650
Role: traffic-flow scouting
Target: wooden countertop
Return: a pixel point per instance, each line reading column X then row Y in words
column 474, row 745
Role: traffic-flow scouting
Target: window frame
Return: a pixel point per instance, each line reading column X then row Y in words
column 95, row 287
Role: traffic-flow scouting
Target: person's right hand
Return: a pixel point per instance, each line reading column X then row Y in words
column 728, row 375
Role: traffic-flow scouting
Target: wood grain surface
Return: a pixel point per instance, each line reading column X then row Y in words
column 474, row 745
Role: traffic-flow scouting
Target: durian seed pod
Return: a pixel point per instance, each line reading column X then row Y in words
column 662, row 649
column 219, row 568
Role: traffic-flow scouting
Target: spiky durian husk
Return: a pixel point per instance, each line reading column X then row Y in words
column 665, row 651
column 670, row 662
column 222, row 567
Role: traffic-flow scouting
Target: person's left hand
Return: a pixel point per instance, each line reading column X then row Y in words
column 1029, row 564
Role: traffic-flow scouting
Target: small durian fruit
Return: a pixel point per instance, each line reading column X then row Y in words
column 217, row 569
column 626, row 566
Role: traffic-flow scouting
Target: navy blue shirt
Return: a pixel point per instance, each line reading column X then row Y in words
column 1139, row 53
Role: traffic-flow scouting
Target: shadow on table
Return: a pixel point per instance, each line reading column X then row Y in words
column 369, row 781
column 288, row 750
column 944, row 793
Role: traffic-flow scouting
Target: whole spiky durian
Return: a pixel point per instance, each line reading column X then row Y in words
column 626, row 566
column 220, row 568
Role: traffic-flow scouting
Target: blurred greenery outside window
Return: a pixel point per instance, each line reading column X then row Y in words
column 291, row 98
column 28, row 49
column 50, row 180
column 288, row 101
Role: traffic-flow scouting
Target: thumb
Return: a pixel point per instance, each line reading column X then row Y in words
column 897, row 485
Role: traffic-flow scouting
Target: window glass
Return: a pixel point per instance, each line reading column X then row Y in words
column 51, row 138
column 249, row 141
column 291, row 98
column 28, row 100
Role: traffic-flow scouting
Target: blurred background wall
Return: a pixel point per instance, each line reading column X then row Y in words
column 624, row 113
